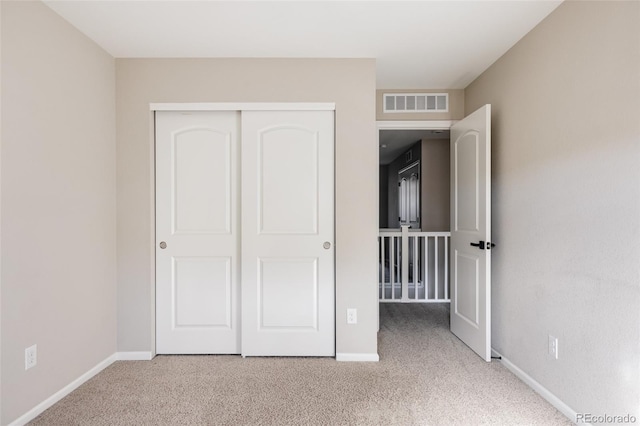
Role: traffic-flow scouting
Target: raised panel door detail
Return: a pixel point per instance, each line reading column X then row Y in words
column 466, row 185
column 288, row 293
column 466, row 287
column 288, row 181
column 202, row 292
column 197, row 219
column 202, row 160
column 471, row 224
column 414, row 198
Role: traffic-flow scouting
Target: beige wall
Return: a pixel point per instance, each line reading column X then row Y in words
column 566, row 203
column 456, row 106
column 435, row 178
column 348, row 83
column 58, row 204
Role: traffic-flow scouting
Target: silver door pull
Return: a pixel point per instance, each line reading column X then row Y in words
column 326, row 245
column 163, row 245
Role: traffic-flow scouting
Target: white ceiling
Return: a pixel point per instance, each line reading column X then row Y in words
column 417, row 44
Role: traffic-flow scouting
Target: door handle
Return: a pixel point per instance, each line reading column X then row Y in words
column 326, row 245
column 479, row 244
column 163, row 245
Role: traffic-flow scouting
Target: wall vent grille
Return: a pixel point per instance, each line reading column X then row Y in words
column 415, row 102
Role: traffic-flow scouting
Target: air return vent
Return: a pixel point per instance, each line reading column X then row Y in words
column 416, row 102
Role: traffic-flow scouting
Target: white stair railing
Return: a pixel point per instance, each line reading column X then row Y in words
column 413, row 266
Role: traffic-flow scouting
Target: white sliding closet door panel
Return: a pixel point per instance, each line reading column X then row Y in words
column 288, row 233
column 197, row 246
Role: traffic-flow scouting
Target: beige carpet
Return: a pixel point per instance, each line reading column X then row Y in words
column 425, row 376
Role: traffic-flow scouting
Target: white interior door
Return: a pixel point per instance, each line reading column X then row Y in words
column 471, row 231
column 409, row 195
column 288, row 233
column 197, row 244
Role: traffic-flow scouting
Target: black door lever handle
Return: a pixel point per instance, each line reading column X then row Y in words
column 480, row 245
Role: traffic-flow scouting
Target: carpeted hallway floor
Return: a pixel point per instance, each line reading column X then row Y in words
column 426, row 376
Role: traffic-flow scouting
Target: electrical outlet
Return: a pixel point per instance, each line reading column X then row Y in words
column 352, row 316
column 30, row 357
column 553, row 346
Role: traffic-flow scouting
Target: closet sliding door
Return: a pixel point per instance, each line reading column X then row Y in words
column 288, row 233
column 197, row 233
column 260, row 242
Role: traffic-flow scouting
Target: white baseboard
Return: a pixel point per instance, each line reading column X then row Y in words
column 357, row 357
column 134, row 356
column 544, row 392
column 40, row 408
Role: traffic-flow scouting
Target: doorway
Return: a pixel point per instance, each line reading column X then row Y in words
column 414, row 214
column 469, row 236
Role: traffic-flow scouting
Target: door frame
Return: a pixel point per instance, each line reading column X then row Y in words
column 210, row 106
column 405, row 125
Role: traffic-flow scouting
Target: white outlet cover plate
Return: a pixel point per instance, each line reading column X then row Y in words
column 553, row 346
column 30, row 357
column 352, row 316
